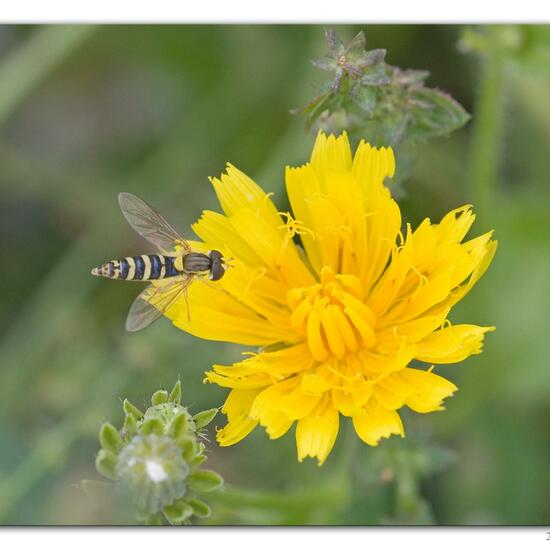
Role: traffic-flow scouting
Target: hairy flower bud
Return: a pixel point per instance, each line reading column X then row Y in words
column 156, row 458
column 154, row 469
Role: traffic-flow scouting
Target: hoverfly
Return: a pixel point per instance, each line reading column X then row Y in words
column 170, row 273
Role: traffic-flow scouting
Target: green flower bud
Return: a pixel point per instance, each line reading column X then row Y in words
column 203, row 481
column 152, row 466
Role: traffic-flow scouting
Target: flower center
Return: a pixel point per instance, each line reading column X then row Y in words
column 331, row 315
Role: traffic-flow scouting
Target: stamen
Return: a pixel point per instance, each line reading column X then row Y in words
column 314, row 337
column 332, row 316
column 294, row 227
column 334, row 338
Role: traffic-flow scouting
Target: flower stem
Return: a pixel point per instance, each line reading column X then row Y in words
column 487, row 132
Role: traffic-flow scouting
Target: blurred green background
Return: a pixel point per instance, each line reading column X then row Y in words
column 86, row 112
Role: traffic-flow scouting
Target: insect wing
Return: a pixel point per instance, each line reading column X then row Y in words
column 151, row 225
column 154, row 301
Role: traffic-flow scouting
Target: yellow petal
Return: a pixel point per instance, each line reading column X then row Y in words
column 484, row 263
column 277, row 424
column 266, row 409
column 452, row 344
column 374, row 422
column 427, row 295
column 391, row 337
column 382, row 214
column 429, row 389
column 389, row 284
column 302, row 186
column 372, row 165
column 331, row 154
column 238, row 376
column 286, row 397
column 216, row 315
column 239, row 424
column 377, row 366
column 276, row 251
column 454, row 225
column 235, row 190
column 316, row 433
column 216, row 230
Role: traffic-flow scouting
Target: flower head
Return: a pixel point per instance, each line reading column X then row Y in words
column 340, row 321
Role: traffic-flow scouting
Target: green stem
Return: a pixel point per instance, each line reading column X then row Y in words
column 349, row 451
column 407, row 491
column 24, row 68
column 487, row 133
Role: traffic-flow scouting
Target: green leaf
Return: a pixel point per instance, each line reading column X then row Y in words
column 358, row 42
column 373, row 57
column 204, row 481
column 105, row 463
column 333, row 41
column 204, row 418
column 366, row 99
column 178, row 512
column 324, row 64
column 175, row 394
column 109, row 438
column 434, row 113
column 132, row 409
column 159, row 397
column 200, row 508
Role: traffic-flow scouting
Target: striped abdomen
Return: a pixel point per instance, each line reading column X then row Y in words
column 146, row 267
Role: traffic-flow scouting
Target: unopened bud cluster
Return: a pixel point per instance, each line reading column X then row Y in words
column 366, row 95
column 157, row 456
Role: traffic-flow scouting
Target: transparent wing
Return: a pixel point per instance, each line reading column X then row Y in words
column 154, row 301
column 151, row 225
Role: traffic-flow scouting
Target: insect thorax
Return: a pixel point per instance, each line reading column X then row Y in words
column 196, row 262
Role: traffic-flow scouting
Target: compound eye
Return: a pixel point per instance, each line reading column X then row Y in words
column 217, row 271
column 216, row 255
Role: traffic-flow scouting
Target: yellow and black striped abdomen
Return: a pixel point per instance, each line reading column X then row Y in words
column 147, row 267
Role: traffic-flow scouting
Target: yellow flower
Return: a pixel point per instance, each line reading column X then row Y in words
column 339, row 321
